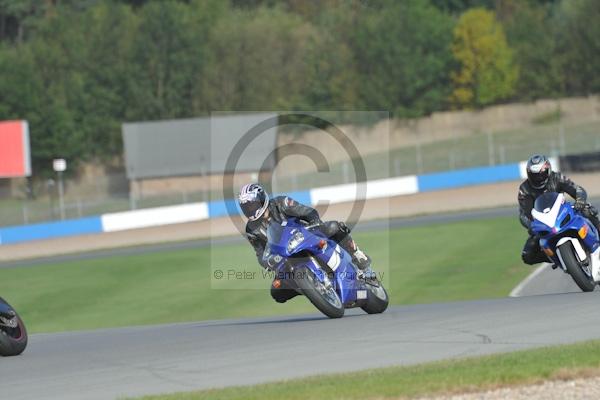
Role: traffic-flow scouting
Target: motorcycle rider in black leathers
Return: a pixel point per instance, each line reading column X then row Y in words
column 260, row 210
column 541, row 179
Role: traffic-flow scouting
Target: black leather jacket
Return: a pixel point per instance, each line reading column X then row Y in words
column 557, row 182
column 280, row 209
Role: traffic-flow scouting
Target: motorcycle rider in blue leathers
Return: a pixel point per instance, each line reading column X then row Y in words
column 260, row 210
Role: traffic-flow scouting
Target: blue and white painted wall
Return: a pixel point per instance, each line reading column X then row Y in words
column 145, row 218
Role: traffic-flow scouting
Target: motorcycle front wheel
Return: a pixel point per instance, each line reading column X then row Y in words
column 321, row 294
column 580, row 274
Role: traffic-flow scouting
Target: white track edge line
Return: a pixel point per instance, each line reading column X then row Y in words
column 516, row 292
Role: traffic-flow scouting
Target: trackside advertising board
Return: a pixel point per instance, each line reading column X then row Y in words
column 15, row 157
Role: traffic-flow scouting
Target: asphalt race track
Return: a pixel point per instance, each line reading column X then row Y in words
column 545, row 280
column 134, row 361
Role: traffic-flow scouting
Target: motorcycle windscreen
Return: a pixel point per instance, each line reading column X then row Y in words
column 545, row 202
column 547, row 207
column 274, row 233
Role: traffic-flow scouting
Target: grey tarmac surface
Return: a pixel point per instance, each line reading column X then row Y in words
column 112, row 363
column 545, row 280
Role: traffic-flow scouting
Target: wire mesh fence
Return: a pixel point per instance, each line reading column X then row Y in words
column 112, row 194
column 476, row 149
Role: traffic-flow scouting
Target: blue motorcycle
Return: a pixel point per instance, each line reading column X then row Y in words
column 569, row 240
column 317, row 267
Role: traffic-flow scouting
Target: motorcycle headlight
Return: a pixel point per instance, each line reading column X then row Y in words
column 296, row 239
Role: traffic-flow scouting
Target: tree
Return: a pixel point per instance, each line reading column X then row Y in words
column 460, row 6
column 263, row 61
column 16, row 15
column 578, row 50
column 486, row 72
column 402, row 55
column 530, row 32
column 108, row 31
column 78, row 69
column 45, row 85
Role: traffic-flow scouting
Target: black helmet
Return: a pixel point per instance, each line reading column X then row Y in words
column 538, row 171
column 253, row 201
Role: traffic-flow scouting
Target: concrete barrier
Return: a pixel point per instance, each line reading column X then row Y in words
column 154, row 217
column 24, row 233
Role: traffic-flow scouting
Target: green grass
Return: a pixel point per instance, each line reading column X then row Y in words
column 435, row 263
column 524, row 367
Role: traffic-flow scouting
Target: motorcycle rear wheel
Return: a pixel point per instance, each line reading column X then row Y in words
column 377, row 299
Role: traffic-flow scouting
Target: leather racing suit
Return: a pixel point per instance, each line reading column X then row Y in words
column 280, row 209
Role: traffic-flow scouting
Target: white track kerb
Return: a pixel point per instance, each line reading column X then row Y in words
column 154, row 217
column 518, row 290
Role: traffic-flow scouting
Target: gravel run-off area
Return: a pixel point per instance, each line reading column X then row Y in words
column 576, row 389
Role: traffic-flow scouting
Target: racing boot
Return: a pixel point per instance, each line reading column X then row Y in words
column 359, row 258
column 363, row 262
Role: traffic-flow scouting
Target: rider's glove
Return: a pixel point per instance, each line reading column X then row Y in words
column 580, row 205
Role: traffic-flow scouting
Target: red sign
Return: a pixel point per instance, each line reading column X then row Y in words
column 15, row 158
